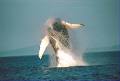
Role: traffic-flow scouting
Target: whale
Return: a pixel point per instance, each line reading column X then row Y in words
column 58, row 37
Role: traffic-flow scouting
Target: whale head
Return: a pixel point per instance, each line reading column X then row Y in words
column 59, row 25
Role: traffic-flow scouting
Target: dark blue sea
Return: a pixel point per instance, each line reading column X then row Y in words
column 103, row 66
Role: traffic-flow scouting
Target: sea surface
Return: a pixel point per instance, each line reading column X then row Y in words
column 103, row 66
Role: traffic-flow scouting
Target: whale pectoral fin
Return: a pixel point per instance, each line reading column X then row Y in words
column 43, row 46
column 71, row 26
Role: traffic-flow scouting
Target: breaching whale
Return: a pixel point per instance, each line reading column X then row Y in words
column 57, row 35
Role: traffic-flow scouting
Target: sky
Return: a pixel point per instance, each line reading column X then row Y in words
column 21, row 22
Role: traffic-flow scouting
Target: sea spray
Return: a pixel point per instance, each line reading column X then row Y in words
column 66, row 58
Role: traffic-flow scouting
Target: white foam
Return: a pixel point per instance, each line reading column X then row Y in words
column 67, row 59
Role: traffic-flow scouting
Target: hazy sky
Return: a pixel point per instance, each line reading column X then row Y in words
column 21, row 21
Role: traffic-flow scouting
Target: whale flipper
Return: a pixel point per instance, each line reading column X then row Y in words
column 43, row 46
column 71, row 26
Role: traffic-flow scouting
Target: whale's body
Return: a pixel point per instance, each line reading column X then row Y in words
column 58, row 37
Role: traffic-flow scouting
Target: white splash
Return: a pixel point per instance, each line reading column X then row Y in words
column 67, row 59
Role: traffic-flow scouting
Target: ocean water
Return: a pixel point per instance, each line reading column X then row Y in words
column 101, row 66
